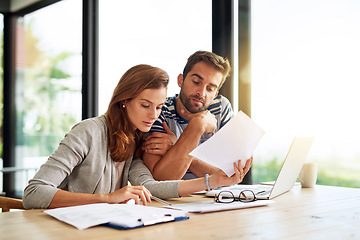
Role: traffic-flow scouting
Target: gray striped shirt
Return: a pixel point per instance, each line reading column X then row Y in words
column 220, row 107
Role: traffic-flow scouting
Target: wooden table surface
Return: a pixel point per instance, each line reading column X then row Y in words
column 322, row 212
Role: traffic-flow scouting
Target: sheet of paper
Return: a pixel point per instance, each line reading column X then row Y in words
column 235, row 141
column 212, row 206
column 124, row 215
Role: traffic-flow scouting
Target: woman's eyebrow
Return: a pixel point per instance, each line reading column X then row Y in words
column 144, row 99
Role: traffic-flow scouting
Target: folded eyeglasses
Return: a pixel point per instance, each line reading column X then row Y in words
column 228, row 197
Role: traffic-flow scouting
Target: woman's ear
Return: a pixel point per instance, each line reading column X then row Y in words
column 123, row 104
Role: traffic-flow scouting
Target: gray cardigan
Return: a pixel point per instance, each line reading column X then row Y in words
column 82, row 163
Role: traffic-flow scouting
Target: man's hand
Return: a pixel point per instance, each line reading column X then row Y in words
column 167, row 161
column 204, row 120
column 159, row 143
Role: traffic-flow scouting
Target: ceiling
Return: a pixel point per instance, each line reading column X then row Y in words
column 15, row 5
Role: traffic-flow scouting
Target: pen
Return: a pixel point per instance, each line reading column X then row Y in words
column 242, row 193
column 260, row 192
column 160, row 200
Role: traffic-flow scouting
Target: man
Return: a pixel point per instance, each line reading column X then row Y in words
column 189, row 119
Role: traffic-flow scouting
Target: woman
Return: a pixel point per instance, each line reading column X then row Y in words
column 94, row 161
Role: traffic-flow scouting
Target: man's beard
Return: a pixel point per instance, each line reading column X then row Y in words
column 186, row 101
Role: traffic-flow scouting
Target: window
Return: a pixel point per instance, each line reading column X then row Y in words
column 1, row 95
column 161, row 33
column 48, row 83
column 305, row 58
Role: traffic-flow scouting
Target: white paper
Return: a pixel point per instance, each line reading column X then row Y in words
column 124, row 215
column 212, row 206
column 234, row 141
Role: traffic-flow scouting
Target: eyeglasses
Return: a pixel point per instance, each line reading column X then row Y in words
column 228, row 197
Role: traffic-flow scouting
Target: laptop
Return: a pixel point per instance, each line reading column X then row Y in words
column 286, row 179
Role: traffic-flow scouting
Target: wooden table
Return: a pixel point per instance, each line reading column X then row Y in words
column 321, row 212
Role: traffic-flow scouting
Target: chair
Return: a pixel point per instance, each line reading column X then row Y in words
column 7, row 203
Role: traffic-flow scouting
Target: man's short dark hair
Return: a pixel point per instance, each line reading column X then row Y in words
column 217, row 62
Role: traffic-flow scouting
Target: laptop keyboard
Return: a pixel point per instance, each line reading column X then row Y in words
column 259, row 190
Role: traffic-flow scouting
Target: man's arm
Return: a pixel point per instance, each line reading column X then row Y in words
column 200, row 168
column 159, row 143
column 174, row 163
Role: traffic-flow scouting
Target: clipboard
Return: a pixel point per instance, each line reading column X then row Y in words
column 119, row 216
column 143, row 222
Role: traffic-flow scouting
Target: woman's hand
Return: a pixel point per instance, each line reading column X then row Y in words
column 124, row 194
column 220, row 178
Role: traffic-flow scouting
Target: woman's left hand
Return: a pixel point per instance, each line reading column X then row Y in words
column 220, row 178
column 159, row 143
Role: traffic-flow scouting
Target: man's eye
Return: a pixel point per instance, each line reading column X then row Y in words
column 211, row 89
column 145, row 106
column 196, row 83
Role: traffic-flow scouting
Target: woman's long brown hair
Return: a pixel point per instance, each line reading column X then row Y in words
column 122, row 139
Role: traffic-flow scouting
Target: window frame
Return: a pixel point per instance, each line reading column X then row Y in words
column 89, row 77
column 222, row 44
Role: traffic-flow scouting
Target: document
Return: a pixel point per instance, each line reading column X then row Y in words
column 235, row 141
column 212, row 206
column 120, row 216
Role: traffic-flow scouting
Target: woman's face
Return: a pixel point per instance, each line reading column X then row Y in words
column 146, row 108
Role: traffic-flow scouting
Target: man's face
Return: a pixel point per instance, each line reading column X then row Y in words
column 200, row 87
